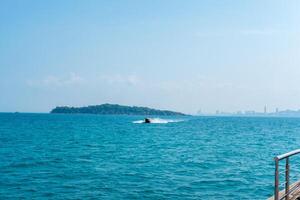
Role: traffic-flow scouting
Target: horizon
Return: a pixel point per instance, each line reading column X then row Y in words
column 172, row 55
column 276, row 112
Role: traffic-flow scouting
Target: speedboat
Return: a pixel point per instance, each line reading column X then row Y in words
column 147, row 121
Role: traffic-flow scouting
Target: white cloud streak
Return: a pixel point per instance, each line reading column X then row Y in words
column 131, row 80
column 74, row 79
column 243, row 32
column 56, row 81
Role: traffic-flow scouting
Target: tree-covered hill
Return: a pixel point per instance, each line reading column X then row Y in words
column 114, row 109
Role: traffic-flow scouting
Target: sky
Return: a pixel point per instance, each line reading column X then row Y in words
column 180, row 55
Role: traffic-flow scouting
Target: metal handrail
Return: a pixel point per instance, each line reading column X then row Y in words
column 291, row 153
column 287, row 175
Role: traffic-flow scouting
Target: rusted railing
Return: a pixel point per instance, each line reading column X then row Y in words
column 287, row 190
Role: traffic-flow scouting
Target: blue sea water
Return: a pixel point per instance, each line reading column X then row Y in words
column 48, row 156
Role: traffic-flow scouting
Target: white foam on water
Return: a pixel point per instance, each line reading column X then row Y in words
column 158, row 121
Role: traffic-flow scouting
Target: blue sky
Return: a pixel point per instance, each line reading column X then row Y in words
column 180, row 55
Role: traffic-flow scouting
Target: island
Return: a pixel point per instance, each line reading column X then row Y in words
column 114, row 109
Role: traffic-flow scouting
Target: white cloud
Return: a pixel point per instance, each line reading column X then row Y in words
column 132, row 80
column 260, row 32
column 74, row 79
column 57, row 81
column 243, row 32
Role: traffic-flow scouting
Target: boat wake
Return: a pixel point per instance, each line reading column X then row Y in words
column 158, row 121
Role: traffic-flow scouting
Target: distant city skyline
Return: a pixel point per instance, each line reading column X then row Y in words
column 254, row 112
column 176, row 55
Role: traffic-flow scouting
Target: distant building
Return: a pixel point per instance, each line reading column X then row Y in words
column 265, row 109
column 277, row 110
column 249, row 112
column 239, row 112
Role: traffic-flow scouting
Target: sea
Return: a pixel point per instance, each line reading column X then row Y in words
column 64, row 156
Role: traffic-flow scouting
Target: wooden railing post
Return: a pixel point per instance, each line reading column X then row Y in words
column 287, row 178
column 276, row 189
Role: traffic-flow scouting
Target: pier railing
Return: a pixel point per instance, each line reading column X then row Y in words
column 288, row 189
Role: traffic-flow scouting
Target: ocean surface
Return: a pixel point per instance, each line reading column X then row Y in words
column 48, row 156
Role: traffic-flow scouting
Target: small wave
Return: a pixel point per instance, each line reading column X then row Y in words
column 158, row 121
